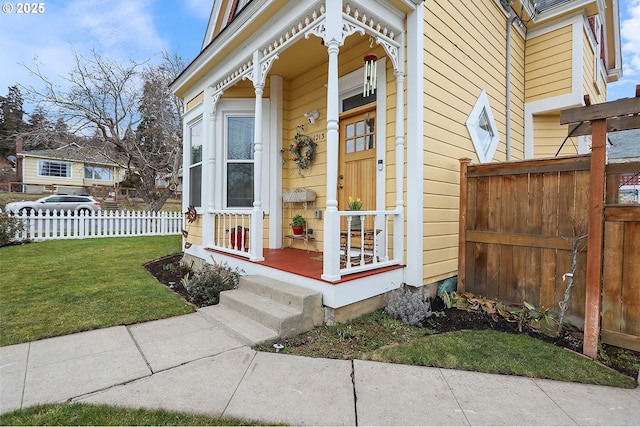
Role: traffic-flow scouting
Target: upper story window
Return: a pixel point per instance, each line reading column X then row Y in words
column 54, row 169
column 482, row 129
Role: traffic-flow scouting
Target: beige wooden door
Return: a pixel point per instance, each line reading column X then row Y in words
column 357, row 160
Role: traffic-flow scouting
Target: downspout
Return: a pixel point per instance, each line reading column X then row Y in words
column 510, row 20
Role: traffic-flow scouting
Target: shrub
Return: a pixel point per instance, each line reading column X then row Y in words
column 408, row 307
column 205, row 285
column 9, row 226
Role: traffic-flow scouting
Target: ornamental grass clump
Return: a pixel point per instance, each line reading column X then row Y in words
column 408, row 307
column 205, row 285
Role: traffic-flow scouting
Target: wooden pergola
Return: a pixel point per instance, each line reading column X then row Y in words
column 597, row 120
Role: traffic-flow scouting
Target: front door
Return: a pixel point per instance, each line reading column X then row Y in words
column 357, row 160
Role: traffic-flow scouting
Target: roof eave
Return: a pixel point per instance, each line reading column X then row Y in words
column 198, row 65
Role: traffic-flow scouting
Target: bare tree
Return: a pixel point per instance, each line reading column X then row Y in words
column 159, row 134
column 108, row 98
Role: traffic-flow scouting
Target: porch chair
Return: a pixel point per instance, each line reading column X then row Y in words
column 360, row 250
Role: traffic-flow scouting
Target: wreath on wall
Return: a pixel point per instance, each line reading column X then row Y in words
column 303, row 152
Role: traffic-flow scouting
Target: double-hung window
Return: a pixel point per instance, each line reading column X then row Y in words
column 195, row 164
column 239, row 132
column 54, row 169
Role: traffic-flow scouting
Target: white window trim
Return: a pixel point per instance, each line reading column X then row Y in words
column 482, row 104
column 55, row 161
column 240, row 107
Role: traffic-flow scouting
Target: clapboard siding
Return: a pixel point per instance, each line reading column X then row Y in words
column 464, row 54
column 549, row 64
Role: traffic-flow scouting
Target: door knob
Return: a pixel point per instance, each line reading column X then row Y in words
column 340, row 185
column 341, row 177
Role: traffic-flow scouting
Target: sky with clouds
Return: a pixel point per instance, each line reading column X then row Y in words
column 141, row 29
column 630, row 40
column 120, row 29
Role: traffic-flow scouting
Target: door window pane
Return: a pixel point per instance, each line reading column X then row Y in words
column 360, row 135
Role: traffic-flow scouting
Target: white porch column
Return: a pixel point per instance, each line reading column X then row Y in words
column 398, row 226
column 415, row 146
column 208, row 164
column 256, row 231
column 332, row 39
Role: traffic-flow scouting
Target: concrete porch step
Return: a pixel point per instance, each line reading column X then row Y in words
column 244, row 329
column 263, row 310
column 285, row 293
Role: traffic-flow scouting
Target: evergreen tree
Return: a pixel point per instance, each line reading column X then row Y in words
column 11, row 120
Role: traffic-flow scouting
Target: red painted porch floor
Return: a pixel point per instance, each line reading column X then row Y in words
column 307, row 264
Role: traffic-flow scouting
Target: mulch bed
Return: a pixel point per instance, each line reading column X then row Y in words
column 170, row 272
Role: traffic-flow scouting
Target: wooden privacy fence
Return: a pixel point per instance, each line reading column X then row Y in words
column 519, row 223
column 611, row 285
column 522, row 220
column 620, row 323
column 46, row 225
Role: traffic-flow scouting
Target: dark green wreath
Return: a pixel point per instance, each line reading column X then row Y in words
column 303, row 150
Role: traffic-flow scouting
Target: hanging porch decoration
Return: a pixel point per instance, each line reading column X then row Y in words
column 190, row 215
column 303, row 152
column 369, row 86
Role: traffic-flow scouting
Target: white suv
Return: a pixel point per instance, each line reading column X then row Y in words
column 58, row 202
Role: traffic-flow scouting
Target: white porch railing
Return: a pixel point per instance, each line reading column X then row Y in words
column 367, row 242
column 231, row 232
column 52, row 225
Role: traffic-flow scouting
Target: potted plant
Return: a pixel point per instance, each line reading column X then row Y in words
column 355, row 204
column 297, row 225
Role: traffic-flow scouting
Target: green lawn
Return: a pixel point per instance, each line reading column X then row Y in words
column 65, row 286
column 378, row 337
column 501, row 353
column 82, row 414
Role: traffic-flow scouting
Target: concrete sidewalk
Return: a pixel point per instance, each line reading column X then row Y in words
column 189, row 364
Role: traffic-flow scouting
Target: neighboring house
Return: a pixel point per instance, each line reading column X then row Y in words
column 624, row 147
column 480, row 79
column 72, row 169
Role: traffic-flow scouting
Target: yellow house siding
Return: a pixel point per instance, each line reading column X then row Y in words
column 195, row 231
column 301, row 95
column 597, row 92
column 549, row 136
column 464, row 54
column 308, row 92
column 517, row 95
column 30, row 174
column 548, row 64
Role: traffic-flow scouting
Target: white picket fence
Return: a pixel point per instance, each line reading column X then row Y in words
column 46, row 225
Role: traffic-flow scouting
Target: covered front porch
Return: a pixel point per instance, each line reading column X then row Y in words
column 307, row 59
column 361, row 250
